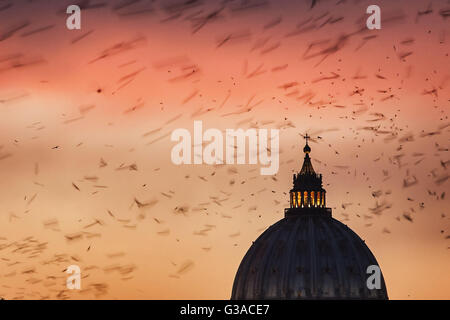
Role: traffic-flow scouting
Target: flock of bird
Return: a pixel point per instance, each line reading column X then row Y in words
column 421, row 157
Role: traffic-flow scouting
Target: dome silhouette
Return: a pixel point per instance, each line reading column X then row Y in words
column 308, row 254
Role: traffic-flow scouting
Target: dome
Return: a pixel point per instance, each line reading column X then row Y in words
column 307, row 256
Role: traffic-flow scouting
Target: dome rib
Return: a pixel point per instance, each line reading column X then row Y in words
column 291, row 248
column 335, row 232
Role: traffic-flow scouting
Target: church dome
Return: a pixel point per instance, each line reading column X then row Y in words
column 308, row 254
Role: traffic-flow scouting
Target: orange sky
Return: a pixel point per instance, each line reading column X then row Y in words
column 379, row 109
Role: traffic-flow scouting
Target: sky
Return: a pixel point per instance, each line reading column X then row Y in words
column 86, row 175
